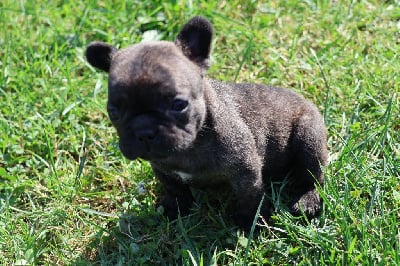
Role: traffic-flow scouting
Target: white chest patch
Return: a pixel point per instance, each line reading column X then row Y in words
column 184, row 176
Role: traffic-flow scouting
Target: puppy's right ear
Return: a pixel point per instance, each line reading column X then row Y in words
column 195, row 40
column 99, row 55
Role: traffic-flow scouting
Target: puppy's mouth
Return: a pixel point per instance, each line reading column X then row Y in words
column 144, row 149
column 159, row 147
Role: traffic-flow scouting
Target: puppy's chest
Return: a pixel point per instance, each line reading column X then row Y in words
column 185, row 177
column 203, row 179
column 197, row 172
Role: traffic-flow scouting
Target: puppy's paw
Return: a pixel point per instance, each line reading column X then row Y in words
column 173, row 206
column 244, row 218
column 308, row 203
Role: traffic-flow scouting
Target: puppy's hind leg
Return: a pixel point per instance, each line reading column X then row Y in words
column 309, row 146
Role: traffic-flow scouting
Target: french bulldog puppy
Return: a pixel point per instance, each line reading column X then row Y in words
column 197, row 132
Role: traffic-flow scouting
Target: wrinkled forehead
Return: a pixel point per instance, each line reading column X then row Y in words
column 158, row 83
column 156, row 66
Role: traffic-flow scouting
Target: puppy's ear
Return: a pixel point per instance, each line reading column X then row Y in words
column 195, row 40
column 99, row 55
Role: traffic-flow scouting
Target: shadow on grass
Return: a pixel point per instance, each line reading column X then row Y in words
column 148, row 238
column 204, row 237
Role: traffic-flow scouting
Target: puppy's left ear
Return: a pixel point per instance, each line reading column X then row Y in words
column 99, row 55
column 195, row 41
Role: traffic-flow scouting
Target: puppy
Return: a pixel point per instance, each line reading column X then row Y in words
column 198, row 132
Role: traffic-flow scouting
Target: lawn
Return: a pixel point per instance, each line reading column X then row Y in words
column 68, row 197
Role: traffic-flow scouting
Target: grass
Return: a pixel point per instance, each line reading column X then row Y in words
column 67, row 196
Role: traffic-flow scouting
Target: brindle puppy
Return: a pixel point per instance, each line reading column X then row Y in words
column 204, row 133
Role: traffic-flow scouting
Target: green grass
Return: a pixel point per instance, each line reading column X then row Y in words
column 67, row 196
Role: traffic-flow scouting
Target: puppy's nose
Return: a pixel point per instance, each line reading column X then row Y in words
column 145, row 135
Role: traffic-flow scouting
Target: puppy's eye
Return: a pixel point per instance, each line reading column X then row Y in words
column 179, row 105
column 114, row 113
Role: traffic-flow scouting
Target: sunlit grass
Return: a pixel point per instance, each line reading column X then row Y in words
column 67, row 196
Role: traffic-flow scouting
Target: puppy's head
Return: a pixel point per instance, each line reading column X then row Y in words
column 155, row 90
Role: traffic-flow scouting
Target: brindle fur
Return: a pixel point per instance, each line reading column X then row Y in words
column 231, row 135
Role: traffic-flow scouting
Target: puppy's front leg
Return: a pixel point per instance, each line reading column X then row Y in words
column 177, row 198
column 248, row 190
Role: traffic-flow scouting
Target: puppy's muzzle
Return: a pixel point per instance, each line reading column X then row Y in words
column 146, row 137
column 143, row 130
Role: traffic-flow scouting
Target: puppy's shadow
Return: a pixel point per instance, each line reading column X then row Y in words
column 148, row 238
column 145, row 237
